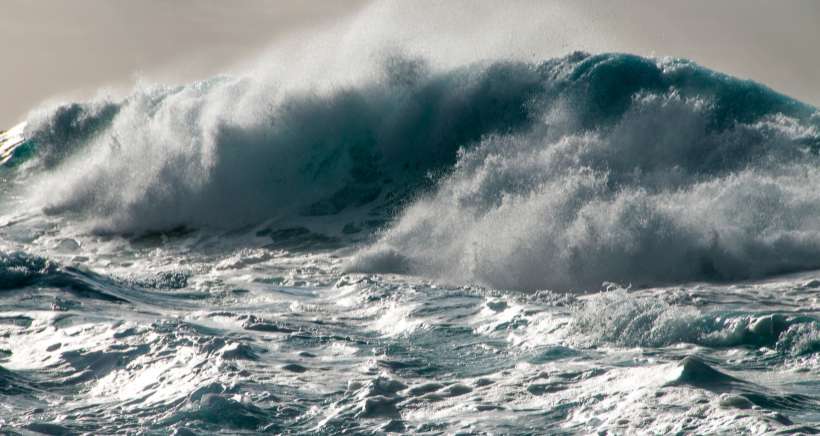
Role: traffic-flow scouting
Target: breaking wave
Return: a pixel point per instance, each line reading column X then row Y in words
column 560, row 174
column 635, row 171
column 233, row 151
column 629, row 320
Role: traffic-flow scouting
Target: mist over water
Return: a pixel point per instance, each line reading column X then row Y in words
column 380, row 238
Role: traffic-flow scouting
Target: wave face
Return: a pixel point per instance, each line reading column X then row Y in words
column 559, row 175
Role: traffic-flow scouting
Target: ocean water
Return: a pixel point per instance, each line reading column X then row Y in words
column 587, row 244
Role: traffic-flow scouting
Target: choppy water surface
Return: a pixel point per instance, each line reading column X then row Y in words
column 258, row 339
column 587, row 244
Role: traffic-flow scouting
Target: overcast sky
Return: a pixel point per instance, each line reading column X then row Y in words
column 70, row 48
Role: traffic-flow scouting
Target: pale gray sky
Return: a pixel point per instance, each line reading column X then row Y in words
column 70, row 48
